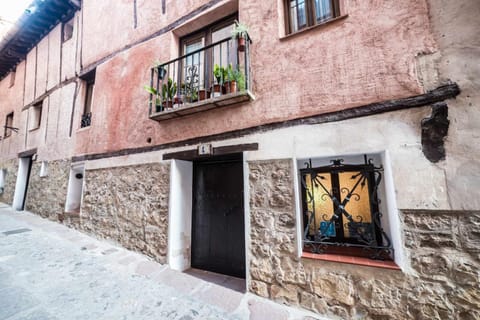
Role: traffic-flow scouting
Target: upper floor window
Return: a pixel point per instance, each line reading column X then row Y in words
column 67, row 30
column 302, row 14
column 12, row 77
column 36, row 116
column 8, row 125
column 198, row 65
column 89, row 79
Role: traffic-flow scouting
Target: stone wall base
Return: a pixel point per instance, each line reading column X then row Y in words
column 443, row 249
column 129, row 205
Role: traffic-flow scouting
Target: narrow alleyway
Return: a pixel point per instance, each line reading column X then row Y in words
column 48, row 271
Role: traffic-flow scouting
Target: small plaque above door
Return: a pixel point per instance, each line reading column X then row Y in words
column 205, row 149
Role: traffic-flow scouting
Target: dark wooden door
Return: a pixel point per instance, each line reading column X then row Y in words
column 218, row 228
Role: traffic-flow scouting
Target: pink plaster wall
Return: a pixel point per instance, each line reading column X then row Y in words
column 367, row 57
column 30, row 76
column 105, row 36
column 71, row 52
column 54, row 54
column 42, row 67
column 11, row 100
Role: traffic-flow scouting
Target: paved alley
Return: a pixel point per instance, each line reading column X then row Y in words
column 48, row 271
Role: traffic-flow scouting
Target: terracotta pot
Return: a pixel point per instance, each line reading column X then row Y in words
column 167, row 105
column 217, row 90
column 203, row 94
column 231, row 86
column 178, row 100
column 241, row 44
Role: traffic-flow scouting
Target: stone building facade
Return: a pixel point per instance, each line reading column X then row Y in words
column 220, row 187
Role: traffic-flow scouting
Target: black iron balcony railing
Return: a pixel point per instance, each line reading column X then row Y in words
column 215, row 75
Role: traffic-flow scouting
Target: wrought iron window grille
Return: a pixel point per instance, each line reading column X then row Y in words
column 341, row 210
column 86, row 120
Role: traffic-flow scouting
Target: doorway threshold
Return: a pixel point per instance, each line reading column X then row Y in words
column 233, row 283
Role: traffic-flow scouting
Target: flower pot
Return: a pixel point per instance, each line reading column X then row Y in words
column 203, row 94
column 177, row 102
column 217, row 90
column 241, row 44
column 167, row 104
column 231, row 86
column 161, row 72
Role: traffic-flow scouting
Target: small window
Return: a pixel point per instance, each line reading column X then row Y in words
column 302, row 14
column 87, row 109
column 67, row 30
column 35, row 116
column 12, row 77
column 8, row 125
column 342, row 211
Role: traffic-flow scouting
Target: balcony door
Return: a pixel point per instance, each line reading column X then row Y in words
column 197, row 66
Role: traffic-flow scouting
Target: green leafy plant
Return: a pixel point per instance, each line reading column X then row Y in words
column 220, row 74
column 240, row 30
column 189, row 91
column 153, row 92
column 169, row 90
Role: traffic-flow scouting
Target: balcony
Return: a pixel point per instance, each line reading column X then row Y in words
column 215, row 76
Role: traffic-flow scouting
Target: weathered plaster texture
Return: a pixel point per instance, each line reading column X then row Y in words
column 285, row 80
column 455, row 26
column 46, row 196
column 11, row 167
column 129, row 205
column 442, row 249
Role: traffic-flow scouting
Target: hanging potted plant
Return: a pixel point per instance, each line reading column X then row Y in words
column 160, row 70
column 240, row 32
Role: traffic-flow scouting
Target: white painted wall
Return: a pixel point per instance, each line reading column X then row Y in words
column 180, row 215
column 396, row 132
column 21, row 183
column 3, row 176
column 75, row 186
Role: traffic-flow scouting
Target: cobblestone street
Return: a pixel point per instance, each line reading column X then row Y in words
column 48, row 271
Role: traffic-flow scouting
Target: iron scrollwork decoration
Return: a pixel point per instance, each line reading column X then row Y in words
column 86, row 120
column 192, row 83
column 341, row 209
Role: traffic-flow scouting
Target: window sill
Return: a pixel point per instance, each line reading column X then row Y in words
column 294, row 34
column 352, row 260
column 83, row 128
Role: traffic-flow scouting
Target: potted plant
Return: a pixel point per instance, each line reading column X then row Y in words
column 203, row 94
column 189, row 92
column 236, row 80
column 220, row 74
column 240, row 32
column 155, row 95
column 160, row 70
column 169, row 90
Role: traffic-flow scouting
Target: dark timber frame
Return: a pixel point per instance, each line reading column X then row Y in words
column 441, row 93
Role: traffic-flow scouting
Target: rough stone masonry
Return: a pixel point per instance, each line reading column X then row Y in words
column 129, row 205
column 443, row 248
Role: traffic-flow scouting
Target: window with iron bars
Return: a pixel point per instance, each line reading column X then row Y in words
column 341, row 212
